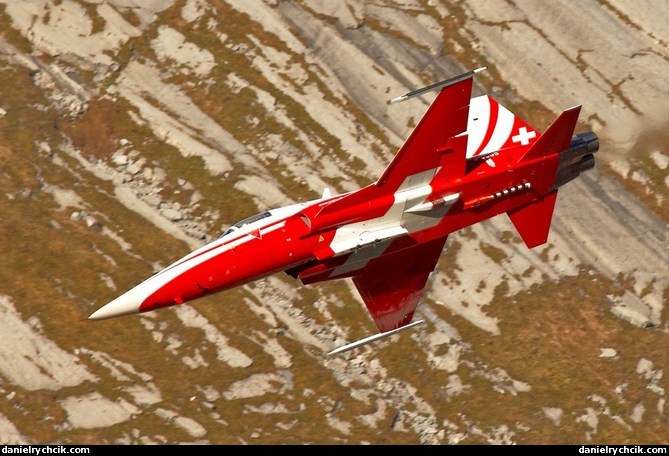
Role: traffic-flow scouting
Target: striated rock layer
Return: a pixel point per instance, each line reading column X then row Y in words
column 133, row 132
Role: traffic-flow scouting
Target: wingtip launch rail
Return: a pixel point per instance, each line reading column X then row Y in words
column 438, row 85
column 373, row 338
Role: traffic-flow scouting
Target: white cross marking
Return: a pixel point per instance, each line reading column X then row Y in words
column 524, row 136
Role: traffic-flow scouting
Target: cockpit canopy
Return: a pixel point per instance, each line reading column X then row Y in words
column 246, row 221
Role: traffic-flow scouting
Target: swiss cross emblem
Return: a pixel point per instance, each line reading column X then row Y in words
column 523, row 136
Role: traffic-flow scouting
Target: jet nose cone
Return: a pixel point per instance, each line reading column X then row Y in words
column 125, row 304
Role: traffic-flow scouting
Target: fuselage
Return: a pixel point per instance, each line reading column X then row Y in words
column 467, row 160
column 293, row 238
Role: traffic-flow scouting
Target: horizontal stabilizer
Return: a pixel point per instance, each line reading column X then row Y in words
column 558, row 136
column 534, row 221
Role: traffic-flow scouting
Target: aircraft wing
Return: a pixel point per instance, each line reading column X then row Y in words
column 392, row 285
column 439, row 139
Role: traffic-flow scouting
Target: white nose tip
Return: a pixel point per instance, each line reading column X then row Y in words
column 125, row 304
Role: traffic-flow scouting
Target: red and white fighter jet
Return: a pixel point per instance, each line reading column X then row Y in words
column 466, row 161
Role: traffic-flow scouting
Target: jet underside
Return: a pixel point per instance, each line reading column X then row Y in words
column 466, row 161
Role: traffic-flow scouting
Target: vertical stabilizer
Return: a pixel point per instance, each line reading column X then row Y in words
column 558, row 136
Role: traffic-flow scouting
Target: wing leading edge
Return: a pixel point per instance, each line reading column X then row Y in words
column 444, row 121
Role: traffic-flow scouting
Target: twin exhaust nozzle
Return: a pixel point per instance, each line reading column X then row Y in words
column 577, row 159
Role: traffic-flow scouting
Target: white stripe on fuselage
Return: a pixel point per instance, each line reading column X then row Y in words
column 413, row 192
column 361, row 257
column 167, row 275
column 221, row 245
column 232, row 239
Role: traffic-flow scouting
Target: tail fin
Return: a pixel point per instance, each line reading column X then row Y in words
column 558, row 136
column 534, row 220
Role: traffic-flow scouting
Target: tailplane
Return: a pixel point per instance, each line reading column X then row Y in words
column 534, row 220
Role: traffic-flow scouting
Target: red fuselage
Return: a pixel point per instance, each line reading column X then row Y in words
column 466, row 161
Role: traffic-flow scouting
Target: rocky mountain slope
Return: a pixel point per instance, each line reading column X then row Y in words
column 132, row 132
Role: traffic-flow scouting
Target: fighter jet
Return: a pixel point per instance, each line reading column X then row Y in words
column 467, row 160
